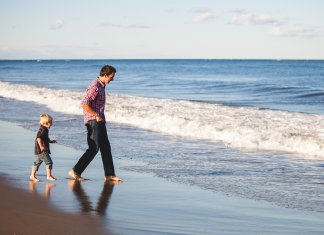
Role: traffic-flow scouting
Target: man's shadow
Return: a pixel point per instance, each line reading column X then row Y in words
column 85, row 203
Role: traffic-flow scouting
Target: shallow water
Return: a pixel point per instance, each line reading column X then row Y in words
column 252, row 129
column 282, row 179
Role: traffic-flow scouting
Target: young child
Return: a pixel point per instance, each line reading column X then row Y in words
column 42, row 150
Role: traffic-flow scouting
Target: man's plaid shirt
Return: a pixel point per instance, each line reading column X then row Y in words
column 95, row 97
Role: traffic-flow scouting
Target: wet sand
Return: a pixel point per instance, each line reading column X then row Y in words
column 24, row 213
column 143, row 204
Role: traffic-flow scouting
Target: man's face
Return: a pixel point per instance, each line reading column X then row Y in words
column 109, row 78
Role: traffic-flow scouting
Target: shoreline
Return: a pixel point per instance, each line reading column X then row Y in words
column 143, row 204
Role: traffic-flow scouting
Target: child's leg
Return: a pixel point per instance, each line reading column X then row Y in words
column 33, row 174
column 49, row 165
column 38, row 161
column 49, row 174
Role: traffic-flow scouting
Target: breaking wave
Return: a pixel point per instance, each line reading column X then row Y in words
column 238, row 127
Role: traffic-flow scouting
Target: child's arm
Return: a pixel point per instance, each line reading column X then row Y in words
column 53, row 141
column 41, row 144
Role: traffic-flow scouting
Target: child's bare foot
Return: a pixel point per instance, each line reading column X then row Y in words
column 33, row 178
column 51, row 178
column 113, row 178
column 75, row 176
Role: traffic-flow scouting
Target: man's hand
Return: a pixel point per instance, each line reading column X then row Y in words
column 98, row 118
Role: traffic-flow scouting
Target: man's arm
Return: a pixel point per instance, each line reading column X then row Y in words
column 88, row 109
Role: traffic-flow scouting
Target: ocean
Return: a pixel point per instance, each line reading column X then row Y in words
column 247, row 128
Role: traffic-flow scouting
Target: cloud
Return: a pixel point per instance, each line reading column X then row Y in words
column 139, row 26
column 170, row 10
column 110, row 25
column 57, row 24
column 243, row 17
column 133, row 26
column 296, row 32
column 280, row 28
column 203, row 15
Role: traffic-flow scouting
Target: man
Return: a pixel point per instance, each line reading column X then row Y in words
column 93, row 104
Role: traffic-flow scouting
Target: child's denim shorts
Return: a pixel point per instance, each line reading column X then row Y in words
column 43, row 157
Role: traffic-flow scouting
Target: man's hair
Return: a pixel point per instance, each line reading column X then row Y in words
column 107, row 70
column 45, row 119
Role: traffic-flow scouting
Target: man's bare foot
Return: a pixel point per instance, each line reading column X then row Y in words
column 113, row 178
column 51, row 178
column 75, row 176
column 33, row 178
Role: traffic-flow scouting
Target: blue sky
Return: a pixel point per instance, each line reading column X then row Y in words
column 149, row 29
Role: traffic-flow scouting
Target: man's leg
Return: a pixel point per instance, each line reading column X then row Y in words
column 105, row 150
column 90, row 153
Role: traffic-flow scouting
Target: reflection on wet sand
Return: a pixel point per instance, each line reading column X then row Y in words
column 47, row 190
column 81, row 195
column 83, row 198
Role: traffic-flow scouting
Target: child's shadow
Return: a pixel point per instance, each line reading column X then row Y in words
column 83, row 198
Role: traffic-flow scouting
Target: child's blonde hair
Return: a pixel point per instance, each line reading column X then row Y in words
column 45, row 119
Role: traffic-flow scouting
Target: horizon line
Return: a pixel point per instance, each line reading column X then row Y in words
column 62, row 59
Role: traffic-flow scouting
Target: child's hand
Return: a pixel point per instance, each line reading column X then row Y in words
column 53, row 141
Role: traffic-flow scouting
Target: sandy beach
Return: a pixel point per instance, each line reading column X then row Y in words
column 143, row 204
column 24, row 213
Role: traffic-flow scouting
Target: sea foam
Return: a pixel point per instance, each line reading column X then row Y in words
column 246, row 128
